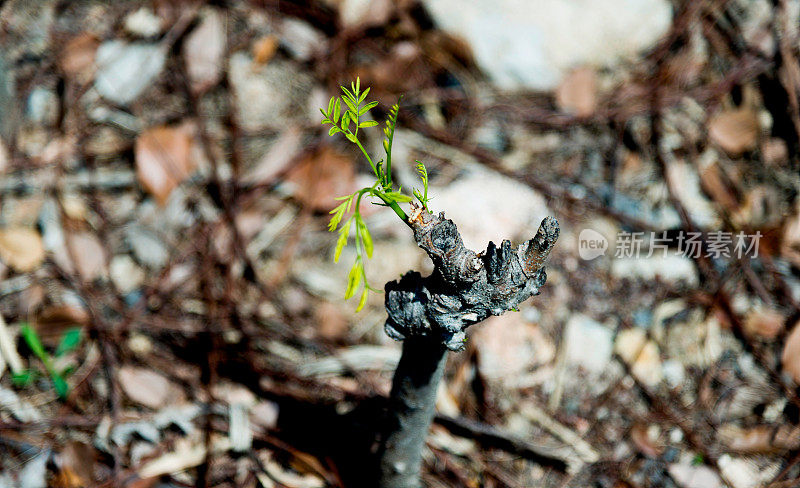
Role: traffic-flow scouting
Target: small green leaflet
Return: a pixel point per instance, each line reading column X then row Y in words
column 366, row 238
column 345, row 113
column 342, row 241
column 69, row 341
column 363, row 300
column 354, row 279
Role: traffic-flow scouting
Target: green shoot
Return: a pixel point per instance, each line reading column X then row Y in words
column 422, row 196
column 69, row 342
column 356, row 109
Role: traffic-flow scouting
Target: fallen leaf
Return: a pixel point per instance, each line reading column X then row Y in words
column 53, row 321
column 203, row 52
column 164, row 159
column 791, row 354
column 187, row 454
column 21, row 248
column 640, row 435
column 146, row 387
column 88, row 254
column 76, row 465
column 760, row 439
column 713, row 183
column 774, row 151
column 735, row 131
column 77, row 57
column 764, row 323
column 264, row 49
column 321, row 177
column 331, row 323
column 577, row 93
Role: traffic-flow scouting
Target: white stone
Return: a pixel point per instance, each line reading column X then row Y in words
column 641, row 354
column 674, row 373
column 143, row 23
column 509, row 346
column 125, row 274
column 587, row 343
column 267, row 96
column 43, row 106
column 487, row 207
column 672, row 268
column 686, row 184
column 300, row 39
column 689, row 476
column 529, row 44
column 125, row 70
column 354, row 13
column 745, row 473
column 147, row 247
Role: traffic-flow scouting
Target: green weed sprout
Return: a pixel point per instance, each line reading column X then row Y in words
column 349, row 123
column 69, row 341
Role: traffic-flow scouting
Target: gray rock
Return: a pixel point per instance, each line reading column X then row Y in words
column 267, row 96
column 587, row 343
column 143, row 23
column 530, row 44
column 125, row 70
column 125, row 274
column 147, row 247
column 300, row 39
column 42, row 106
column 487, row 207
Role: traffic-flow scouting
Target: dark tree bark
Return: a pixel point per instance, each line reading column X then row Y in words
column 431, row 315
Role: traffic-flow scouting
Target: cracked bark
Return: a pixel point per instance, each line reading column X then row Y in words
column 431, row 314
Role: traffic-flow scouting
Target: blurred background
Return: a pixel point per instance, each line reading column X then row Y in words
column 170, row 313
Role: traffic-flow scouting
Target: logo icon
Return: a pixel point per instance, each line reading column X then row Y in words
column 591, row 244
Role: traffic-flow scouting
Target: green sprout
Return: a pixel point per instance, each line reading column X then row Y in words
column 69, row 342
column 349, row 123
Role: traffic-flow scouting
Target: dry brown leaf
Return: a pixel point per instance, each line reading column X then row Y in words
column 76, row 465
column 203, row 52
column 764, row 323
column 77, row 57
column 55, row 319
column 21, row 248
column 735, row 131
column 264, row 49
column 332, row 324
column 791, row 354
column 640, row 436
column 164, row 159
column 146, row 387
column 321, row 177
column 577, row 93
column 774, row 151
column 713, row 183
column 88, row 254
column 761, row 439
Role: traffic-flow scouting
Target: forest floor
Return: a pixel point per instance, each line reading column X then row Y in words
column 171, row 315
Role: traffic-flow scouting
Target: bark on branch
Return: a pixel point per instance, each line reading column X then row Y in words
column 464, row 288
column 431, row 315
